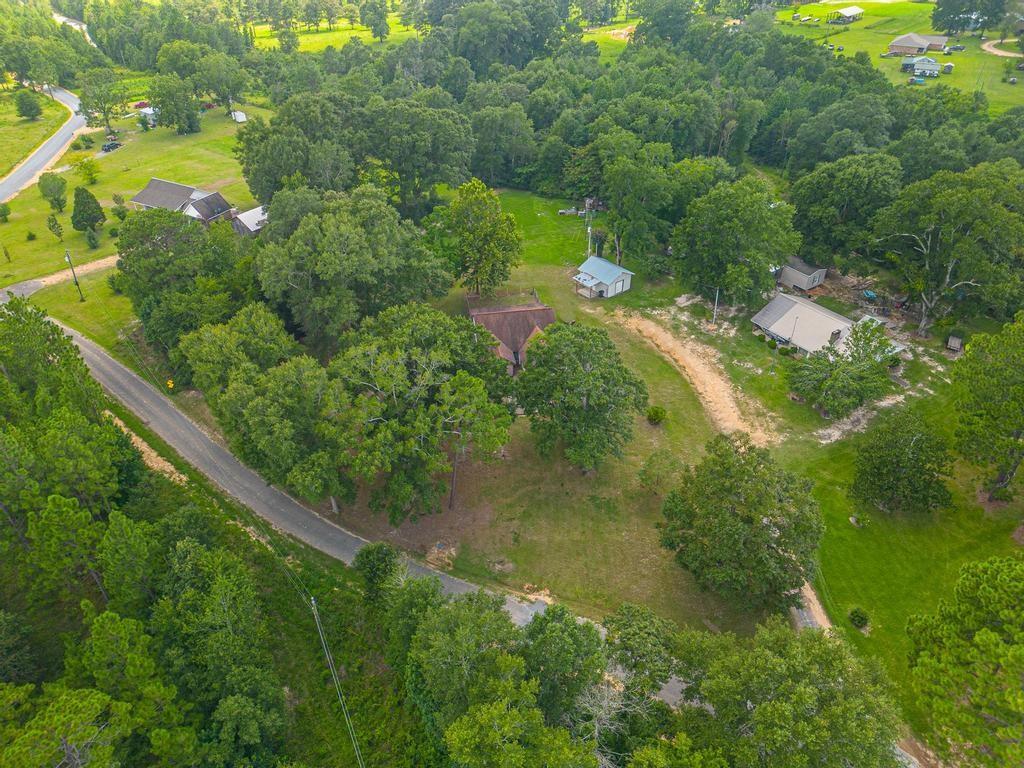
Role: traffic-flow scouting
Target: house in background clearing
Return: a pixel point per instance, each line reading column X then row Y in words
column 250, row 222
column 599, row 278
column 801, row 275
column 205, row 207
column 513, row 327
column 913, row 43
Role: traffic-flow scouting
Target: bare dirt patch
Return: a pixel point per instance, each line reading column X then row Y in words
column 151, row 458
column 65, row 274
column 699, row 364
column 623, row 34
column 992, row 46
column 856, row 421
column 814, row 607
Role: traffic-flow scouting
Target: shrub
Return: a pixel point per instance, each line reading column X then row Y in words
column 656, row 414
column 76, row 144
column 772, row 344
column 92, row 239
column 112, row 231
column 30, row 235
column 5, row 212
column 87, row 140
column 785, row 351
column 859, row 618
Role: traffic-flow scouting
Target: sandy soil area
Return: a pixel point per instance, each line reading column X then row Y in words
column 65, row 274
column 152, row 459
column 989, row 46
column 699, row 364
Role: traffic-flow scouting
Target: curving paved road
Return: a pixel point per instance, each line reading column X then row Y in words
column 230, row 475
column 43, row 157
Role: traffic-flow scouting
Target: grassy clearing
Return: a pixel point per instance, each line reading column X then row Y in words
column 19, row 136
column 974, row 69
column 611, row 39
column 315, row 40
column 205, row 159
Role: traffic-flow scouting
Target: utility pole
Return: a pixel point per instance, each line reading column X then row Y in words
column 337, row 683
column 714, row 314
column 74, row 277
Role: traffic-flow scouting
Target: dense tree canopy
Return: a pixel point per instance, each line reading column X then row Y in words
column 578, row 394
column 743, row 525
column 967, row 664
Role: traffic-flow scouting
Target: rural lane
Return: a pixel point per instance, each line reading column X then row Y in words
column 229, row 474
column 25, row 173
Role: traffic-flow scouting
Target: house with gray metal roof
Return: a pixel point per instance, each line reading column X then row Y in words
column 802, row 323
column 797, row 273
column 599, row 278
column 196, row 203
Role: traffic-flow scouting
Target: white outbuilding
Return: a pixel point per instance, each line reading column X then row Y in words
column 599, row 278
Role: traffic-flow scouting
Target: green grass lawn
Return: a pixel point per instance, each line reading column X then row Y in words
column 19, row 136
column 314, row 40
column 204, row 159
column 973, row 70
column 611, row 39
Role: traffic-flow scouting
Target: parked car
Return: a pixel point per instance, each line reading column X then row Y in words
column 110, row 146
column 958, row 47
column 841, row 48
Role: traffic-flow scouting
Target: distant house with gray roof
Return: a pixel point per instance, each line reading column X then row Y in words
column 205, row 207
column 599, row 278
column 797, row 273
column 913, row 43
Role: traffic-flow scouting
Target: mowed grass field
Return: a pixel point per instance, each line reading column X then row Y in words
column 973, row 70
column 203, row 159
column 19, row 136
column 314, row 40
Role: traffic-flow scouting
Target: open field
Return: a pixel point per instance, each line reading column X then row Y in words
column 314, row 40
column 612, row 38
column 19, row 136
column 204, row 159
column 974, row 69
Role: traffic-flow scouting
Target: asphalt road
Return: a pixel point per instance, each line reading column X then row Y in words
column 44, row 155
column 241, row 483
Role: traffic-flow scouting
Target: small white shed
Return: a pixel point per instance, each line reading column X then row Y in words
column 239, row 117
column 801, row 275
column 599, row 278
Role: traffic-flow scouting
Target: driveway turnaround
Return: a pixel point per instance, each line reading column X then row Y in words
column 46, row 154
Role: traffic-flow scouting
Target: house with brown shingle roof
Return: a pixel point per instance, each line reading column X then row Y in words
column 513, row 326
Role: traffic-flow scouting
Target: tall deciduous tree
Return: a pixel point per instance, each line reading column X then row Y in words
column 578, row 393
column 989, row 390
column 27, row 105
column 744, row 527
column 793, row 699
column 565, row 656
column 222, row 76
column 733, row 237
column 479, row 239
column 173, row 96
column 835, row 202
column 355, row 258
column 52, row 187
column 103, row 95
column 901, row 465
column 842, row 377
column 955, row 240
column 412, row 392
column 967, row 662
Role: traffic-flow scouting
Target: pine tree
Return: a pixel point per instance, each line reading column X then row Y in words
column 87, row 213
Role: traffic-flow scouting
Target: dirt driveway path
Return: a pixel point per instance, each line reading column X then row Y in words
column 989, row 46
column 699, row 364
